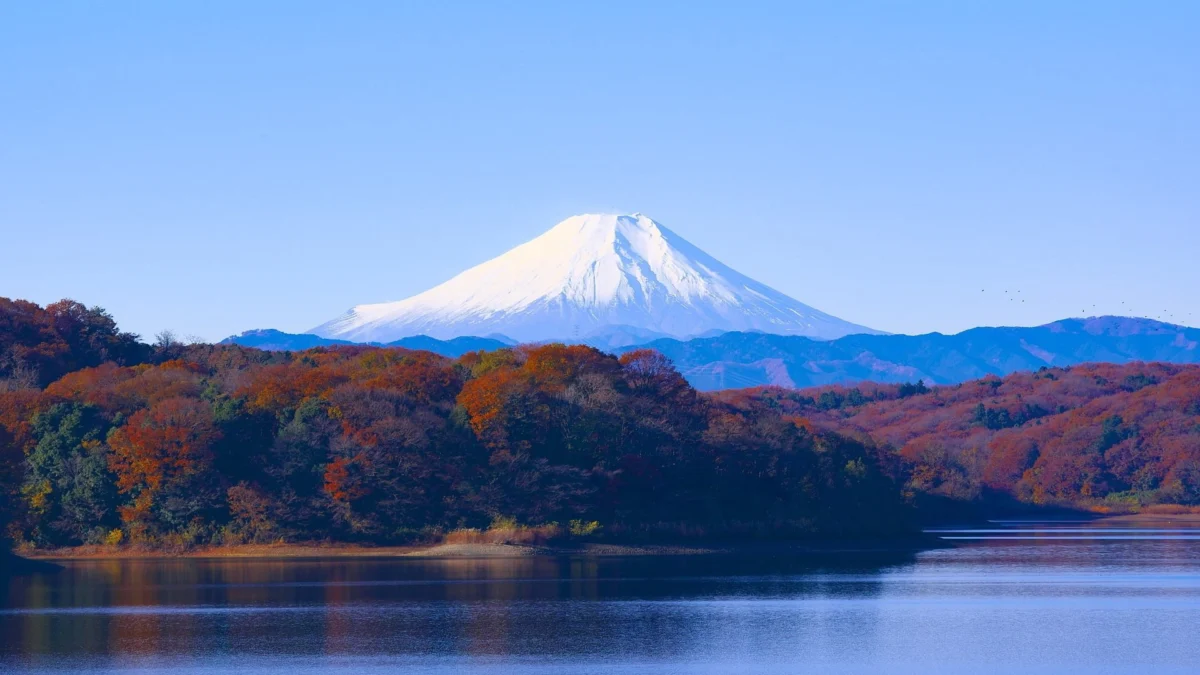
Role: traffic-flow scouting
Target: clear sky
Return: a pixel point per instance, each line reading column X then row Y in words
column 217, row 166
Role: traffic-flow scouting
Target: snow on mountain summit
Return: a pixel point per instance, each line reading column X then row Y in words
column 586, row 273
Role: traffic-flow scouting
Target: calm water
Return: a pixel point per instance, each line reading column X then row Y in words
column 1014, row 597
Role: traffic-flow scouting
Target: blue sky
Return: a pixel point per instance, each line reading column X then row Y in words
column 212, row 167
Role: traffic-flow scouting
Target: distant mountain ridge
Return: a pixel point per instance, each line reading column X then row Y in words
column 273, row 340
column 592, row 273
column 738, row 359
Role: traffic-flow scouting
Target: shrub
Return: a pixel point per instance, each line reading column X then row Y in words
column 115, row 537
column 580, row 528
column 508, row 532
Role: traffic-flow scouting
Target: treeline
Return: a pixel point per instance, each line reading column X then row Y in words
column 104, row 439
column 176, row 445
column 1095, row 435
column 38, row 346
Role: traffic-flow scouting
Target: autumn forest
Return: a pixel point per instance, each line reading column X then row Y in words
column 106, row 440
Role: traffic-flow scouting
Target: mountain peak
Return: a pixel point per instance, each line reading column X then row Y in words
column 607, row 223
column 607, row 220
column 585, row 273
column 598, row 234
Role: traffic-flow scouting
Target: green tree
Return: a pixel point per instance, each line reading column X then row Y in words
column 70, row 492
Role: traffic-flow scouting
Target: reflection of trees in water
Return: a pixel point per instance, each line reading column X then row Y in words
column 189, row 607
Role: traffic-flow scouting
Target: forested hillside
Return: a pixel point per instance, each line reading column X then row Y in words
column 105, row 440
column 222, row 444
column 1094, row 435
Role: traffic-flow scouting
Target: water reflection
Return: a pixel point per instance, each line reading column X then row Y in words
column 1002, row 604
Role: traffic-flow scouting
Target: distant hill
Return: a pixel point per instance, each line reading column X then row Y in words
column 1117, row 436
column 735, row 360
column 274, row 340
column 453, row 348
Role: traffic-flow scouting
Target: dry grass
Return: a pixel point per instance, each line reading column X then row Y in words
column 1171, row 509
column 519, row 535
column 1134, row 509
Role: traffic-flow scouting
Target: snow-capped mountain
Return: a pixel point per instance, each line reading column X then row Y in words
column 584, row 275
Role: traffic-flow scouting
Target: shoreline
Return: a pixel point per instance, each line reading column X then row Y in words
column 1192, row 519
column 436, row 551
column 12, row 564
column 479, row 551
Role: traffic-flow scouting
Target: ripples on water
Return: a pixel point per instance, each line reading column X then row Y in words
column 1012, row 597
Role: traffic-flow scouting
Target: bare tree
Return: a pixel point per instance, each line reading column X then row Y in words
column 166, row 339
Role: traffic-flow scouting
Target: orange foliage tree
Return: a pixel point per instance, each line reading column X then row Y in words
column 161, row 457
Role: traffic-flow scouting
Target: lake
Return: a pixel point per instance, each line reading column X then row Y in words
column 1011, row 597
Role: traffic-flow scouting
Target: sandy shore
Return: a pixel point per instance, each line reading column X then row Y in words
column 472, row 550
column 343, row 551
column 507, row 550
column 1182, row 520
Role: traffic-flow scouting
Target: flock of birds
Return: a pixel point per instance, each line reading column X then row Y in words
column 1166, row 316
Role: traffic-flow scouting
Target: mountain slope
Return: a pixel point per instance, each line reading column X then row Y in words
column 1123, row 435
column 736, row 360
column 586, row 274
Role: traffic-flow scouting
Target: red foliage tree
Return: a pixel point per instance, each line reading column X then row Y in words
column 162, row 449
